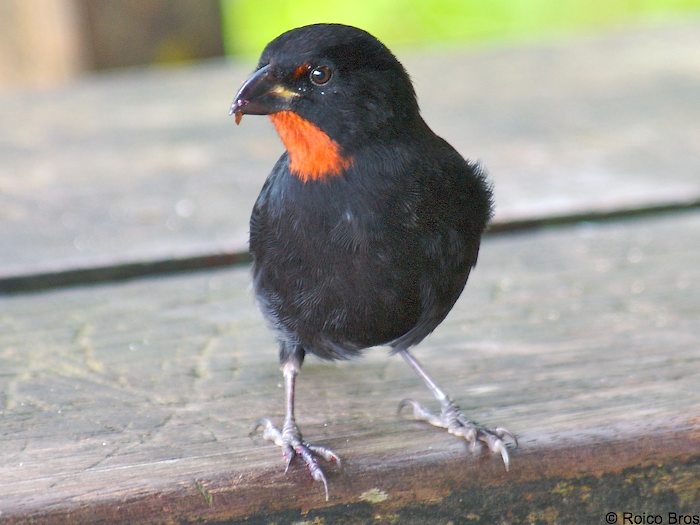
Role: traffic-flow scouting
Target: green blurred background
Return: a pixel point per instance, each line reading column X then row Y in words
column 249, row 24
column 46, row 42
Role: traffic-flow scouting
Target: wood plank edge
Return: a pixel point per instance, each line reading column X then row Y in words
column 39, row 281
column 34, row 282
column 576, row 483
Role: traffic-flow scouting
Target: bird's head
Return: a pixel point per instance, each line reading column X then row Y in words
column 329, row 89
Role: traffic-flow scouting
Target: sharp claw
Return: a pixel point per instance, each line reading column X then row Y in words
column 324, row 452
column 457, row 424
column 319, row 476
column 506, row 459
column 292, row 445
column 404, row 403
column 500, row 447
column 288, row 456
column 307, row 454
column 493, row 438
column 259, row 423
column 474, row 446
column 505, row 433
column 270, row 432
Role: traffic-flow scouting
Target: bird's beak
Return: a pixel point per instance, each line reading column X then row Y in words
column 261, row 94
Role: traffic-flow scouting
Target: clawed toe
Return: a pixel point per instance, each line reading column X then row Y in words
column 455, row 422
column 290, row 440
column 325, row 453
column 270, row 432
column 421, row 413
column 476, row 434
column 506, row 435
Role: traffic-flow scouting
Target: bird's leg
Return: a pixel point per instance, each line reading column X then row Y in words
column 452, row 418
column 290, row 438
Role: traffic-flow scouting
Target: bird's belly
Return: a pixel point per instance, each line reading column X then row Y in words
column 327, row 296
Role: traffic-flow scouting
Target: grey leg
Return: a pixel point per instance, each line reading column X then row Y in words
column 452, row 418
column 290, row 438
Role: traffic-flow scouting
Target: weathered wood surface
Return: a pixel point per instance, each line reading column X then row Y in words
column 132, row 402
column 146, row 165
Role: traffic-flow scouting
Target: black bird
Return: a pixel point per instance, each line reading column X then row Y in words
column 366, row 230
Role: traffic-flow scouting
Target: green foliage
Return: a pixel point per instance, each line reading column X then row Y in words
column 250, row 24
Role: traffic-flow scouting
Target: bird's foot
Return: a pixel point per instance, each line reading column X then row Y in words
column 456, row 423
column 289, row 438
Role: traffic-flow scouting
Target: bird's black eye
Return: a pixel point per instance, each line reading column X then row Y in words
column 320, row 75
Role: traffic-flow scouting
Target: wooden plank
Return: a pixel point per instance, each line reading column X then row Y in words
column 132, row 402
column 147, row 166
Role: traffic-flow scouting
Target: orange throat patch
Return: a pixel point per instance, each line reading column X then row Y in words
column 313, row 155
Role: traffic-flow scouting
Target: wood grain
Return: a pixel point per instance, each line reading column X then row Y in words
column 132, row 402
